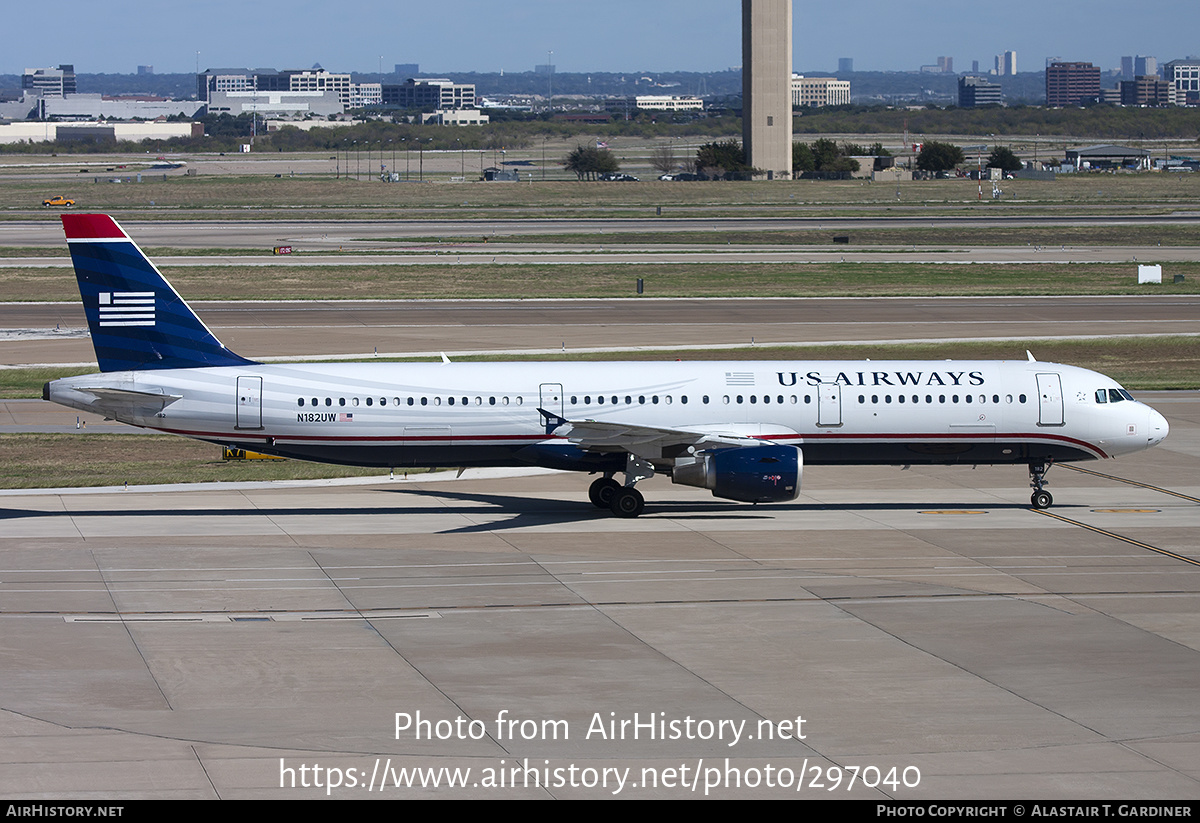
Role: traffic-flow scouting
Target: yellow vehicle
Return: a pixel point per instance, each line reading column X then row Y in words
column 58, row 200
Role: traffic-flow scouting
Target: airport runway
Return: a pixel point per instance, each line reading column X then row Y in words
column 212, row 642
column 327, row 234
column 56, row 332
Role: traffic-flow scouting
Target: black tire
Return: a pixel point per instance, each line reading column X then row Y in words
column 602, row 491
column 628, row 502
column 1041, row 500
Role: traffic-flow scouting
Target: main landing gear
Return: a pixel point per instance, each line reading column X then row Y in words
column 622, row 500
column 1040, row 499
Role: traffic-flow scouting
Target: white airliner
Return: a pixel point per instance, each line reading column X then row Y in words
column 742, row 429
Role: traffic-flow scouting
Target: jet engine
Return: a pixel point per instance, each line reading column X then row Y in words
column 751, row 474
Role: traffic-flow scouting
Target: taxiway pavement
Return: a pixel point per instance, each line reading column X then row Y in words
column 227, row 642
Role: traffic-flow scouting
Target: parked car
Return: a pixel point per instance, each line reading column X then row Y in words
column 619, row 177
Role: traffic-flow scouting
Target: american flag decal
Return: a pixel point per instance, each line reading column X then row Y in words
column 126, row 308
column 345, row 418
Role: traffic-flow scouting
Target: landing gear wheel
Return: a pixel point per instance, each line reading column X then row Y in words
column 1041, row 500
column 628, row 502
column 602, row 491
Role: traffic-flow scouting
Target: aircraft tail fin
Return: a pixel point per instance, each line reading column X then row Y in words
column 137, row 320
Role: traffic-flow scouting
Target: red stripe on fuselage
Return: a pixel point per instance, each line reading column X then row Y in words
column 819, row 437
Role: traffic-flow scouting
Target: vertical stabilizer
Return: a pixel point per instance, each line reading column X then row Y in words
column 136, row 319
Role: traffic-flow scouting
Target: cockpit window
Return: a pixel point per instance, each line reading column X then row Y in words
column 1115, row 395
column 1125, row 394
column 1101, row 395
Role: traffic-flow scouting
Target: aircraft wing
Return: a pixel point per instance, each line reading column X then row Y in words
column 651, row 442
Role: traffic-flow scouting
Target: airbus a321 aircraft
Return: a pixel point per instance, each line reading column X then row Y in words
column 741, row 429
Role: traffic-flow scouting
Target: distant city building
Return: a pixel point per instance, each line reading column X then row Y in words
column 1145, row 90
column 145, row 69
column 658, row 102
column 276, row 103
column 1184, row 78
column 976, row 91
column 100, row 107
column 544, row 69
column 37, row 132
column 974, row 67
column 819, row 91
column 845, row 65
column 50, row 82
column 455, row 117
column 309, row 80
column 407, row 69
column 429, row 94
column 946, row 65
column 1072, row 84
column 365, row 94
column 1127, row 67
column 1006, row 64
column 1145, row 66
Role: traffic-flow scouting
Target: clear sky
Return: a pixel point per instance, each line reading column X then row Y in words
column 115, row 36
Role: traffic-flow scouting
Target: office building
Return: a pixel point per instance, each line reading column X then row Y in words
column 976, row 91
column 1184, row 79
column 1072, row 84
column 57, row 82
column 819, row 91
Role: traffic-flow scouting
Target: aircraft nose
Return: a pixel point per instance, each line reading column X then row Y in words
column 1156, row 428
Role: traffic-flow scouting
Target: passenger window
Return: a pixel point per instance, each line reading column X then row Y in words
column 369, row 401
column 300, row 402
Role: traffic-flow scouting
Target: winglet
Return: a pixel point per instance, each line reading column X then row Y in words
column 1029, row 354
column 137, row 320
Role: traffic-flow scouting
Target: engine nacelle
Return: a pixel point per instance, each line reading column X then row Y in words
column 751, row 474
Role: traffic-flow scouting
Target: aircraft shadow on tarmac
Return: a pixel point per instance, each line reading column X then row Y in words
column 520, row 511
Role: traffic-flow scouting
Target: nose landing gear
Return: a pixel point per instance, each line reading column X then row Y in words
column 1040, row 499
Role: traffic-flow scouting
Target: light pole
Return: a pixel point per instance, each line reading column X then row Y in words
column 550, row 80
column 462, row 160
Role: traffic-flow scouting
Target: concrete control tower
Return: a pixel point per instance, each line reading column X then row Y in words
column 766, row 91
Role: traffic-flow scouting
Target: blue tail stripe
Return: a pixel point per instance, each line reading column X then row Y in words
column 132, row 331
